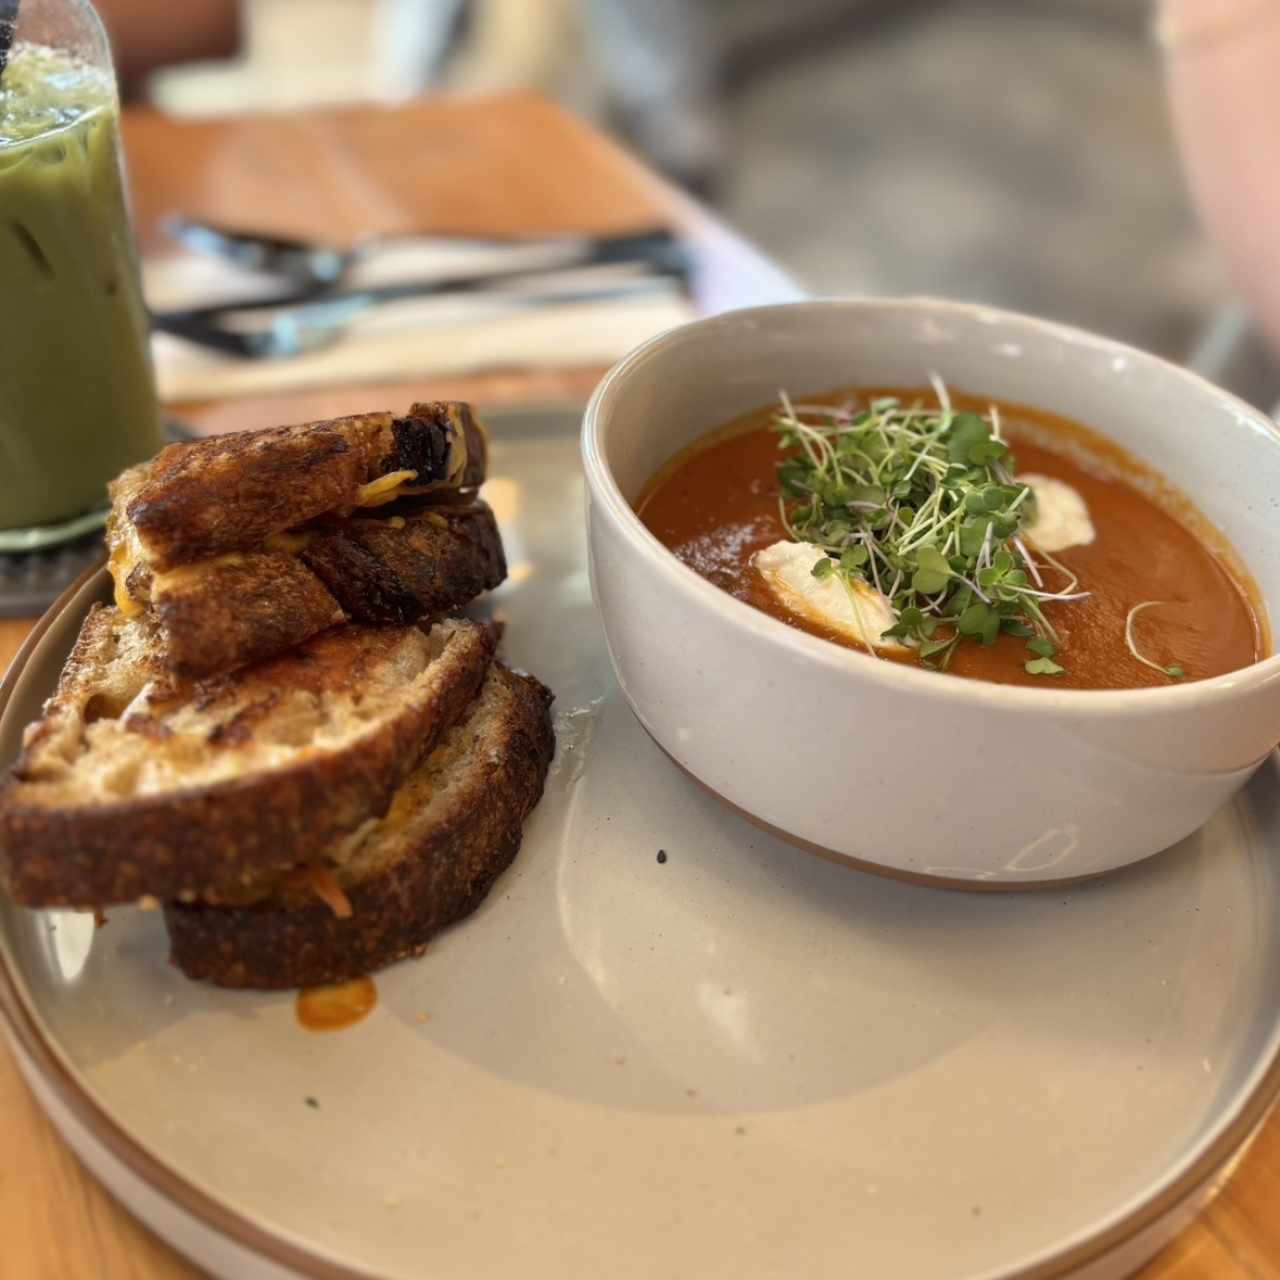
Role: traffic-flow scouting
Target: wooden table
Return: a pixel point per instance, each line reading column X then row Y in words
column 500, row 166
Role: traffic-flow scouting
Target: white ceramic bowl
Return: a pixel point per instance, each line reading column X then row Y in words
column 904, row 769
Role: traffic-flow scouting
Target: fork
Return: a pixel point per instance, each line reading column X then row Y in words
column 316, row 315
column 312, row 326
column 313, row 266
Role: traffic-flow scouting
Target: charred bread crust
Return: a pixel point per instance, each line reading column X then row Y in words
column 432, row 564
column 231, row 492
column 442, row 441
column 178, row 843
column 231, row 613
column 425, row 561
column 439, row 876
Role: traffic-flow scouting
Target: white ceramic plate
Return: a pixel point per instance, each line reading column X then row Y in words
column 744, row 1062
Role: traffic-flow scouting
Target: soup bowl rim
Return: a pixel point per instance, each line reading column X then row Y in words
column 854, row 664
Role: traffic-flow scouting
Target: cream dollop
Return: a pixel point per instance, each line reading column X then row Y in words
column 787, row 567
column 1061, row 518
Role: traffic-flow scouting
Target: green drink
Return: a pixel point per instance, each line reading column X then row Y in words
column 77, row 394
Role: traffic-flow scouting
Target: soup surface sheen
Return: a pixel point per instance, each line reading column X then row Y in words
column 716, row 505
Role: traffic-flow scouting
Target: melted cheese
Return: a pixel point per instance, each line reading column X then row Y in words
column 861, row 613
column 173, row 578
column 288, row 542
column 384, row 489
column 324, row 884
column 125, row 557
column 457, row 456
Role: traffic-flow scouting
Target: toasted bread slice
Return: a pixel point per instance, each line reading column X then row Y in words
column 127, row 788
column 425, row 562
column 452, row 828
column 415, row 562
column 237, row 609
column 231, row 493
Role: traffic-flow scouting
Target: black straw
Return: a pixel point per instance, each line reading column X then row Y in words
column 8, row 21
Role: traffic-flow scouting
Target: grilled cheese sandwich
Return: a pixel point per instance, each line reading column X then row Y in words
column 210, row 520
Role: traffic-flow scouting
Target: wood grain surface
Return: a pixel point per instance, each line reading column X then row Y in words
column 503, row 166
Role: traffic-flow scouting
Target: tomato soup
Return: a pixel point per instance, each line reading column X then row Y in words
column 1158, row 590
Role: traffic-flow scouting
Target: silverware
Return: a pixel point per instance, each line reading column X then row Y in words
column 312, row 326
column 312, row 266
column 316, row 314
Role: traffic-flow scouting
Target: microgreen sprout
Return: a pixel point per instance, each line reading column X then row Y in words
column 1174, row 672
column 1043, row 663
column 920, row 503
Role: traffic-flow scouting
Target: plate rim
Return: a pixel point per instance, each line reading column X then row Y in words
column 32, row 1040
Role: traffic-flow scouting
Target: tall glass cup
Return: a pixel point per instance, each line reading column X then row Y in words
column 77, row 393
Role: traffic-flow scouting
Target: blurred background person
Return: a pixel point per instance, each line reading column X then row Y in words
column 1221, row 58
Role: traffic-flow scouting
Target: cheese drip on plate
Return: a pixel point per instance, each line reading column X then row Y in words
column 860, row 612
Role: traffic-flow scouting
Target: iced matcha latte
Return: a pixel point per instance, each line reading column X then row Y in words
column 77, row 397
